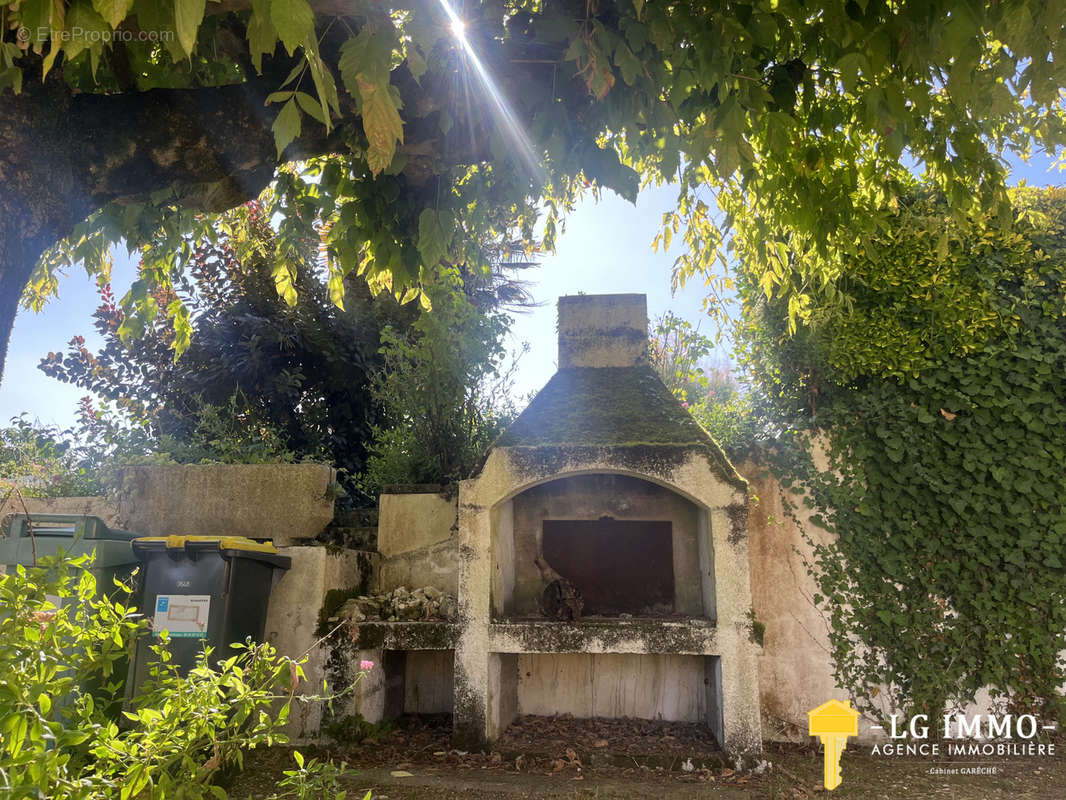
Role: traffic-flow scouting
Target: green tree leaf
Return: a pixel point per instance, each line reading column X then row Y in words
column 262, row 35
column 113, row 11
column 381, row 123
column 82, row 16
column 188, row 14
column 287, row 126
column 432, row 240
column 294, row 22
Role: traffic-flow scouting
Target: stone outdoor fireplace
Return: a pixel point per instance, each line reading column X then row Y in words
column 599, row 560
column 603, row 558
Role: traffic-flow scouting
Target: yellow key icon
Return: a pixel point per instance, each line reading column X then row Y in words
column 833, row 723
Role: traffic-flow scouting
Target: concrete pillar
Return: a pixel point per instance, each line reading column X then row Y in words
column 741, row 721
column 470, row 721
column 370, row 693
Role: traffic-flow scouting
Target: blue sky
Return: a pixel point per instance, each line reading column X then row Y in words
column 606, row 248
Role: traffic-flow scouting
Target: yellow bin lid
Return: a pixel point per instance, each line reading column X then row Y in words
column 224, row 543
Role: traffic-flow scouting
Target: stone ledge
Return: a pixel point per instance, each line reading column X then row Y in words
column 405, row 635
column 676, row 637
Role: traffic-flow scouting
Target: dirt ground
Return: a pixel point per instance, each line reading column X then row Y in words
column 559, row 758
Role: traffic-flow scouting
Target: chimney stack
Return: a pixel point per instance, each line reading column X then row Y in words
column 603, row 330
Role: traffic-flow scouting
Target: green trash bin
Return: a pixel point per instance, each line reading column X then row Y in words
column 41, row 535
column 74, row 534
column 203, row 590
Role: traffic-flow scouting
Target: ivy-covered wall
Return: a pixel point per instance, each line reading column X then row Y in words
column 940, row 388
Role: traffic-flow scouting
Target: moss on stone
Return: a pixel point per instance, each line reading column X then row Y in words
column 628, row 408
column 603, row 406
column 655, row 636
column 331, row 604
column 738, row 522
column 371, row 635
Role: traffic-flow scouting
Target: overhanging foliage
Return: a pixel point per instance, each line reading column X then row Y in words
column 800, row 116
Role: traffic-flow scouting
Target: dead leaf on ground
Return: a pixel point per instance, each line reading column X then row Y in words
column 600, row 743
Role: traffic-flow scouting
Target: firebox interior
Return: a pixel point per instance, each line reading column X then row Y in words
column 630, row 546
column 621, row 566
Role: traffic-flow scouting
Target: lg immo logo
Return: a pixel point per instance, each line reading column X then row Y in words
column 1001, row 736
column 982, row 735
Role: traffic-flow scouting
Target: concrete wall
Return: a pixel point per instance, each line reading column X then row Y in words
column 436, row 565
column 293, row 617
column 412, row 520
column 590, row 497
column 650, row 686
column 795, row 668
column 91, row 506
column 418, row 541
column 603, row 330
column 283, row 502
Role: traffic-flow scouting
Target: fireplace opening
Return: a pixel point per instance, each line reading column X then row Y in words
column 618, row 566
column 601, row 545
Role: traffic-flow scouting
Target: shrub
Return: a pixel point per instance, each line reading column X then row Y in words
column 63, row 652
column 444, row 391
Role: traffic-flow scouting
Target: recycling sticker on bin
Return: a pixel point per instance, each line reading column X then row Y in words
column 183, row 616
